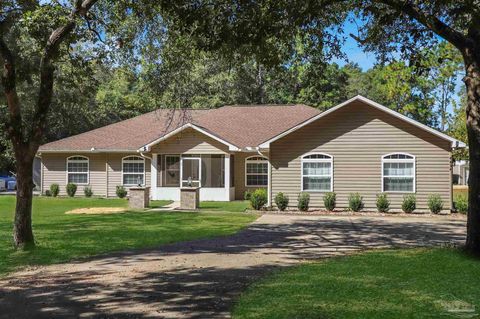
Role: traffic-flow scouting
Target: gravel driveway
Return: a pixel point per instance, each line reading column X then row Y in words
column 200, row 279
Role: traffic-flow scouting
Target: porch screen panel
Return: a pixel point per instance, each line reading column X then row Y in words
column 213, row 171
column 172, row 171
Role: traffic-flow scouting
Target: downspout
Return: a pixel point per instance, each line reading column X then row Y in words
column 151, row 173
column 269, row 186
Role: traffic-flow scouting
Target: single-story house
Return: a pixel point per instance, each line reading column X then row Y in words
column 357, row 146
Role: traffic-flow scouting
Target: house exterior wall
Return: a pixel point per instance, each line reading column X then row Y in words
column 357, row 136
column 190, row 141
column 105, row 172
column 239, row 180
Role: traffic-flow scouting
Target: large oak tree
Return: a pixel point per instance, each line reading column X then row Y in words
column 52, row 26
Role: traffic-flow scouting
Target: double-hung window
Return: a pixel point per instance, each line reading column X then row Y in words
column 398, row 173
column 317, row 173
column 77, row 170
column 256, row 171
column 133, row 170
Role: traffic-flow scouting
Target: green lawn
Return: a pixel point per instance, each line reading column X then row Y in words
column 234, row 206
column 62, row 237
column 415, row 283
column 460, row 191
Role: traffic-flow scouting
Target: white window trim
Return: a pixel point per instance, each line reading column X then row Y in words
column 247, row 160
column 69, row 160
column 199, row 170
column 400, row 160
column 179, row 168
column 139, row 159
column 311, row 160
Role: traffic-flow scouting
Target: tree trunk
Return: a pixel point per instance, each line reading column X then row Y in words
column 472, row 82
column 22, row 227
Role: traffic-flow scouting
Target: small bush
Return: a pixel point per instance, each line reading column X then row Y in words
column 383, row 204
column 281, row 200
column 435, row 203
column 71, row 189
column 54, row 190
column 48, row 193
column 121, row 191
column 258, row 199
column 355, row 202
column 461, row 204
column 303, row 201
column 330, row 201
column 247, row 195
column 409, row 203
column 88, row 191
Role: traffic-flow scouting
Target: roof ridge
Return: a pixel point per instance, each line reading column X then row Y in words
column 265, row 105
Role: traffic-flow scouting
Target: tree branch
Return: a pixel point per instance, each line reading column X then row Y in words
column 57, row 37
column 14, row 124
column 430, row 21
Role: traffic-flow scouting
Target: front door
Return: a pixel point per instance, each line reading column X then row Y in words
column 191, row 172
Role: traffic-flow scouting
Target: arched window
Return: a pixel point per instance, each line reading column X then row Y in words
column 133, row 170
column 77, row 170
column 256, row 171
column 317, row 172
column 398, row 173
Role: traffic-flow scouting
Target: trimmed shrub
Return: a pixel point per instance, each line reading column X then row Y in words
column 461, row 204
column 330, row 201
column 258, row 199
column 54, row 190
column 71, row 189
column 88, row 191
column 247, row 195
column 121, row 191
column 409, row 203
column 303, row 201
column 281, row 200
column 48, row 193
column 435, row 203
column 355, row 202
column 383, row 204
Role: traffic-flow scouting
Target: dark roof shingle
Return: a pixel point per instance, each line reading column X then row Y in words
column 241, row 126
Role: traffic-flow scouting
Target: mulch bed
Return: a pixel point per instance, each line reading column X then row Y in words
column 363, row 213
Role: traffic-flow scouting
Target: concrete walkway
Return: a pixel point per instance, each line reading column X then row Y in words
column 200, row 279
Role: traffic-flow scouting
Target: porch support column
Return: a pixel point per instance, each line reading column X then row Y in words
column 227, row 176
column 153, row 176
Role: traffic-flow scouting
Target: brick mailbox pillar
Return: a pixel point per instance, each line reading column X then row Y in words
column 139, row 197
column 189, row 198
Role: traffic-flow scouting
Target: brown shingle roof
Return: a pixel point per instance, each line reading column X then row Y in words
column 253, row 124
column 239, row 125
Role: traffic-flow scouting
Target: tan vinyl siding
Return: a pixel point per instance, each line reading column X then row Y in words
column 55, row 171
column 115, row 171
column 357, row 136
column 239, row 164
column 190, row 141
column 105, row 171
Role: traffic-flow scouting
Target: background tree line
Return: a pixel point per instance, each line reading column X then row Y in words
column 99, row 91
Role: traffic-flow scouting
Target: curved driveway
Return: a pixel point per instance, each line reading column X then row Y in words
column 200, row 279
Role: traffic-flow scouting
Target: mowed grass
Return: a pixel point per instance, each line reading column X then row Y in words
column 233, row 206
column 457, row 191
column 414, row 283
column 60, row 237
